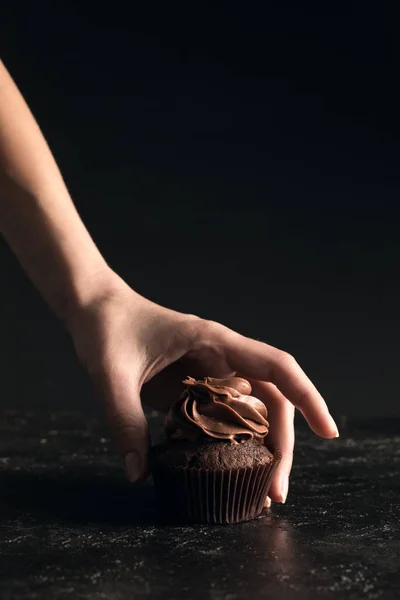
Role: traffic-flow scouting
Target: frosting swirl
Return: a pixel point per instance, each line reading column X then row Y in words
column 217, row 408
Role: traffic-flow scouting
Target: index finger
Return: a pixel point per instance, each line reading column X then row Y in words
column 260, row 361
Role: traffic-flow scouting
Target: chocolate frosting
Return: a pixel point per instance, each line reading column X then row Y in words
column 217, row 408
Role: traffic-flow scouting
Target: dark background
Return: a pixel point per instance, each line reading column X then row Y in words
column 236, row 162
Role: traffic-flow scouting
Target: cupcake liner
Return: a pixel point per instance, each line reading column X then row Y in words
column 212, row 496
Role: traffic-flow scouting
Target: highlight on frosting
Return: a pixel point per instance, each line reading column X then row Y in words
column 218, row 408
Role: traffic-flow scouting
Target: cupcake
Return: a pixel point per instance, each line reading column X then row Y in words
column 213, row 466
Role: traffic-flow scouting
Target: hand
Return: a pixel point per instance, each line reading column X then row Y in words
column 136, row 350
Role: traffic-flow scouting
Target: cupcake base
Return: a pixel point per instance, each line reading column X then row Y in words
column 212, row 496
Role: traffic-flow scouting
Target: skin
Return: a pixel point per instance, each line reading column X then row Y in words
column 133, row 349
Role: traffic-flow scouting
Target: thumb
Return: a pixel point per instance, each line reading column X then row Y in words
column 120, row 391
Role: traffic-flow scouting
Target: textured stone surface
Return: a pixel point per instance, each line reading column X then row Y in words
column 72, row 528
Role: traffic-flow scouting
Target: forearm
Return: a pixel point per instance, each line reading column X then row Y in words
column 37, row 216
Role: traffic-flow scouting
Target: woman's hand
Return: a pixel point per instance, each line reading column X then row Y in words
column 135, row 350
column 131, row 347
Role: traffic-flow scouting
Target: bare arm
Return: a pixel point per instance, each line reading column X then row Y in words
column 37, row 216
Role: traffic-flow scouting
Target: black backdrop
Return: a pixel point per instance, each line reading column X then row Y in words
column 233, row 162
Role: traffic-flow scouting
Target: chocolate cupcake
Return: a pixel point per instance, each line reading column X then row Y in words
column 213, row 468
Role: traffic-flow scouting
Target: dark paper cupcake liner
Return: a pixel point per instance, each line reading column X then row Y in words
column 214, row 497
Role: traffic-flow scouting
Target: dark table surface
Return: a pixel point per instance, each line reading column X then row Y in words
column 72, row 527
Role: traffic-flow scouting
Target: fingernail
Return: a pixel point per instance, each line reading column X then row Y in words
column 284, row 489
column 334, row 428
column 133, row 466
column 267, row 502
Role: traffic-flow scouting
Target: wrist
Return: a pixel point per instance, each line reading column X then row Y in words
column 83, row 291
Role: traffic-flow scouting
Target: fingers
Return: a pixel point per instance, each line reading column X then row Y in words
column 118, row 388
column 280, row 437
column 260, row 361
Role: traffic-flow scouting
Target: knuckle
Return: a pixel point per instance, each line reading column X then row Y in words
column 191, row 327
column 208, row 345
column 127, row 429
column 286, row 359
column 125, row 423
column 286, row 458
column 290, row 411
column 203, row 329
column 209, row 327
